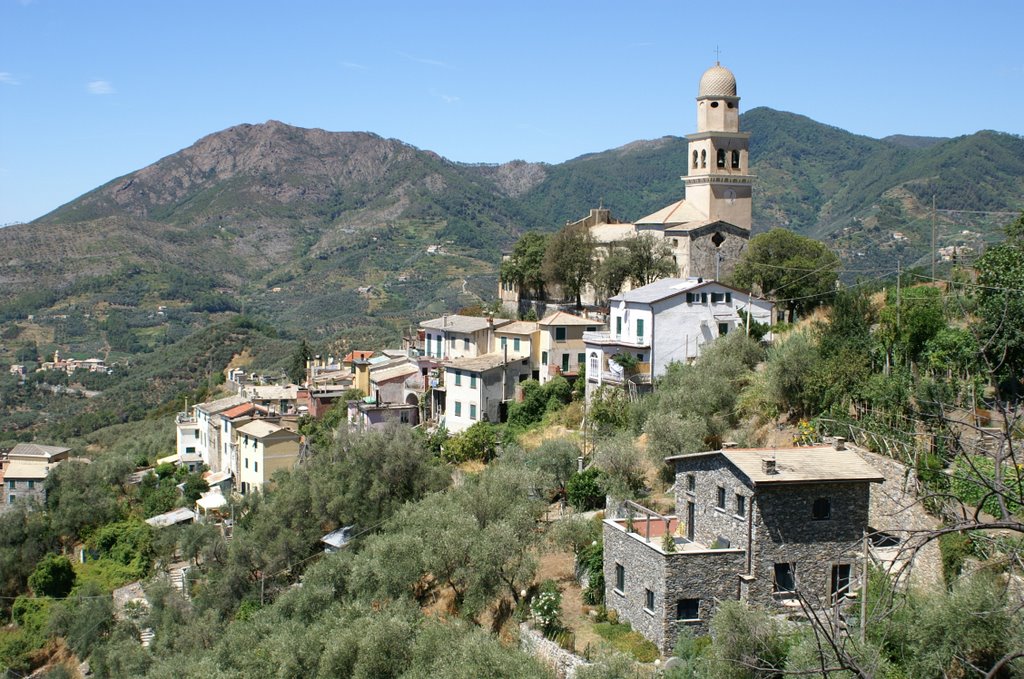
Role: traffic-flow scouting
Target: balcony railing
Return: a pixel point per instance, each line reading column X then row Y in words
column 605, row 337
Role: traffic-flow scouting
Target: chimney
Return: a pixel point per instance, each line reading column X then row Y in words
column 444, row 321
column 729, row 444
column 840, row 443
column 768, row 467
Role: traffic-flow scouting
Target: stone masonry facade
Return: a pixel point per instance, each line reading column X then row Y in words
column 754, row 542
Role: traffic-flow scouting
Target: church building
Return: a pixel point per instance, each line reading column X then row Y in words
column 709, row 228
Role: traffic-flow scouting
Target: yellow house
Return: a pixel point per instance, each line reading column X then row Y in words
column 560, row 345
column 264, row 448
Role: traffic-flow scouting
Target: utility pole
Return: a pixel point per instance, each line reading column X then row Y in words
column 864, row 589
column 933, row 236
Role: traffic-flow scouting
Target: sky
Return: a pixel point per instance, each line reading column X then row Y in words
column 93, row 90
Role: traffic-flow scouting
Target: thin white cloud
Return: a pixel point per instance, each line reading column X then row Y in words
column 428, row 62
column 100, row 87
column 353, row 66
column 8, row 78
column 446, row 98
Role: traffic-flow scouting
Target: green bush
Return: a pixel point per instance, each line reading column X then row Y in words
column 53, row 577
column 584, row 490
column 622, row 638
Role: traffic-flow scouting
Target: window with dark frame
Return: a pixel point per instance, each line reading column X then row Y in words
column 721, row 497
column 821, row 510
column 840, row 581
column 688, row 609
column 691, row 483
column 784, row 581
column 741, row 505
column 620, row 577
column 649, row 600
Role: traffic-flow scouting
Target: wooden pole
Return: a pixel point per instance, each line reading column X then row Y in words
column 864, row 590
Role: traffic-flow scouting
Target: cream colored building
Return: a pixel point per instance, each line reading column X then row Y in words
column 264, row 448
column 560, row 347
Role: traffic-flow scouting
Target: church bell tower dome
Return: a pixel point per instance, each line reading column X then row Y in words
column 717, row 81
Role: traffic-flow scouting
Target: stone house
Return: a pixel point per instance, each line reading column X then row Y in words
column 768, row 526
column 24, row 469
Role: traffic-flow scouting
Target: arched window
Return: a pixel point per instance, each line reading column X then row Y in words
column 721, row 157
column 593, row 365
column 703, row 158
column 735, row 160
column 695, row 160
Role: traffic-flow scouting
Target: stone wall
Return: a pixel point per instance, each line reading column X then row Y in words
column 707, row 575
column 711, row 472
column 548, row 652
column 785, row 532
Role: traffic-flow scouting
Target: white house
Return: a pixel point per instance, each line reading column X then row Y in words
column 668, row 320
column 457, row 336
column 204, row 421
column 478, row 389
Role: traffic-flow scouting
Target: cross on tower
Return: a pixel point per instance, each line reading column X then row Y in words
column 718, row 54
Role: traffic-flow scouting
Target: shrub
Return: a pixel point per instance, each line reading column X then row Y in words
column 584, row 490
column 53, row 576
column 622, row 638
column 547, row 609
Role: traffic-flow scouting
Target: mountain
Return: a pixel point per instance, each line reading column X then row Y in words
column 325, row 232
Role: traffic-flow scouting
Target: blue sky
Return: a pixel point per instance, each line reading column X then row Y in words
column 93, row 90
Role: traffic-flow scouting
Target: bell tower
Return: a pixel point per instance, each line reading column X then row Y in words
column 718, row 180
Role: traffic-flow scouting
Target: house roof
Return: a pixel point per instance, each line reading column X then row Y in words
column 477, row 364
column 239, row 410
column 36, row 450
column 460, row 323
column 260, row 429
column 221, row 404
column 273, row 392
column 212, row 499
column 215, row 478
column 179, row 515
column 22, row 469
column 357, row 356
column 804, row 464
column 669, row 287
column 338, row 538
column 519, row 328
column 565, row 318
column 393, row 372
column 676, row 213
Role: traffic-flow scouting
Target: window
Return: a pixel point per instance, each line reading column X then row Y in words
column 785, row 579
column 822, row 509
column 472, row 411
column 695, row 160
column 591, row 328
column 581, row 359
column 735, row 156
column 640, row 328
column 618, row 325
column 31, row 484
column 190, row 449
column 840, row 580
column 458, row 378
column 12, row 484
column 593, row 364
column 465, row 344
column 565, row 363
column 723, row 329
column 543, row 358
column 717, row 297
column 516, row 344
column 721, row 497
column 691, row 483
column 703, row 298
column 649, row 600
column 688, row 609
column 458, row 409
column 452, row 342
column 504, row 342
column 721, row 157
column 703, row 158
column 560, row 334
column 620, row 577
column 689, row 297
column 741, row 505
column 472, row 381
column 728, row 298
column 255, row 466
column 10, row 499
column 246, row 463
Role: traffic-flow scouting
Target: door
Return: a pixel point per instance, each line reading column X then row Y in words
column 690, row 515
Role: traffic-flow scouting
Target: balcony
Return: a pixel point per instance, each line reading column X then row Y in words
column 619, row 340
column 184, row 418
column 641, row 374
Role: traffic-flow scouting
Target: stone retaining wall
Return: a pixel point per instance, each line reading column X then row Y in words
column 548, row 652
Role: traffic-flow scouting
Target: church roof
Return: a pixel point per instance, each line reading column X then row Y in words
column 679, row 212
column 717, row 81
